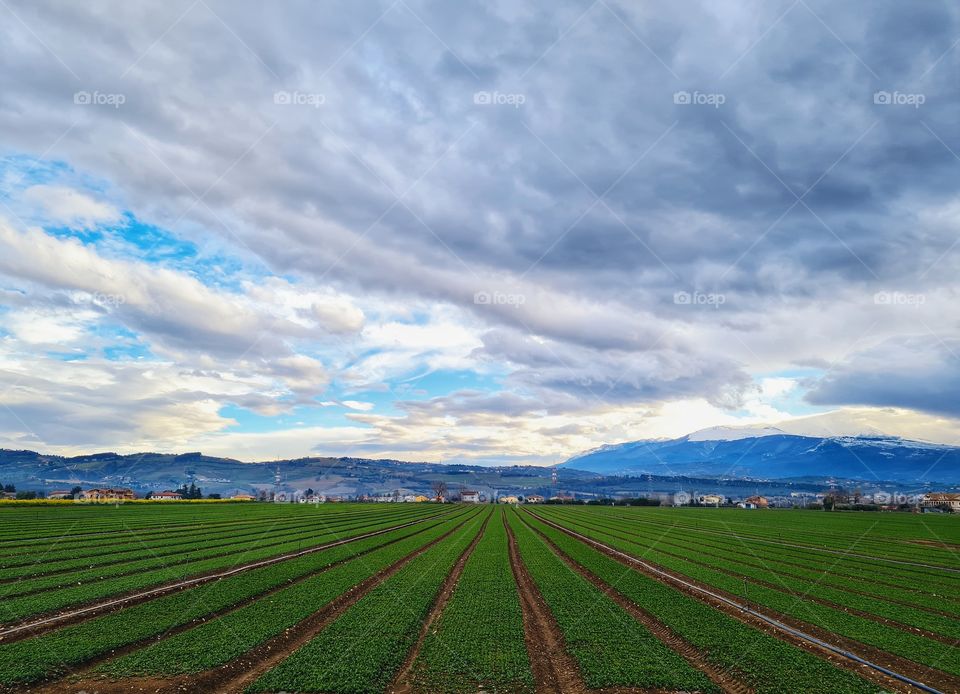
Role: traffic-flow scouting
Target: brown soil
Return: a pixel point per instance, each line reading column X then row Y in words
column 403, row 681
column 36, row 626
column 726, row 681
column 833, row 605
column 554, row 670
column 935, row 678
column 237, row 674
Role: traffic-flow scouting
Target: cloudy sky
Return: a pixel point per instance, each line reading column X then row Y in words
column 479, row 232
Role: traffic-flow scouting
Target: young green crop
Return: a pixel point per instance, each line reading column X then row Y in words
column 220, row 640
column 43, row 656
column 766, row 663
column 611, row 647
column 362, row 650
column 478, row 641
column 19, row 608
column 935, row 654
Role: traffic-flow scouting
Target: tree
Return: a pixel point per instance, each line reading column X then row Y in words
column 9, row 488
column 439, row 490
column 75, row 492
column 214, row 496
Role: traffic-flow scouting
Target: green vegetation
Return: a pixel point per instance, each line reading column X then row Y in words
column 363, row 649
column 611, row 647
column 220, row 640
column 768, row 664
column 478, row 644
column 882, row 580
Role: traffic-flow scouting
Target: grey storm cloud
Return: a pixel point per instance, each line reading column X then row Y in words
column 921, row 373
column 383, row 146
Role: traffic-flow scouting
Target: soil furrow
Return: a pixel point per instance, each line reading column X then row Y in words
column 935, row 678
column 36, row 627
column 237, row 674
column 726, row 681
column 554, row 669
column 402, row 683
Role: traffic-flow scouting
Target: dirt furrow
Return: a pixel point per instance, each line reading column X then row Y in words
column 36, row 627
column 726, row 681
column 554, row 669
column 935, row 678
column 237, row 674
column 402, row 683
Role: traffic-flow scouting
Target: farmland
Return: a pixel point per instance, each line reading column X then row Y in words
column 458, row 598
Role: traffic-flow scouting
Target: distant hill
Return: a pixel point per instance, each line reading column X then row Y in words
column 770, row 453
column 348, row 476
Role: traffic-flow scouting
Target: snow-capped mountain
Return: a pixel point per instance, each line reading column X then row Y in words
column 774, row 452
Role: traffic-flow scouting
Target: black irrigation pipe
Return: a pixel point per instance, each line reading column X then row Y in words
column 744, row 608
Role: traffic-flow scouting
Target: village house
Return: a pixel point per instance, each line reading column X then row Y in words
column 470, row 496
column 108, row 494
column 710, row 500
column 166, row 495
column 754, row 502
column 533, row 499
column 942, row 501
column 509, row 499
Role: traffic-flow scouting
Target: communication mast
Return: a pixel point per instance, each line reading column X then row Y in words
column 276, row 483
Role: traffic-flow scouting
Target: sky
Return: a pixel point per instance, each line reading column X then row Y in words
column 480, row 232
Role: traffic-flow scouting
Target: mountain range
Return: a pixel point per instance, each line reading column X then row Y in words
column 770, row 452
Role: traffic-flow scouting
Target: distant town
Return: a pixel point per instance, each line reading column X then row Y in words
column 836, row 500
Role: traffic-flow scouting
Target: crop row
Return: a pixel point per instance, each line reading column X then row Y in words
column 362, row 650
column 20, row 608
column 883, row 536
column 198, row 551
column 478, row 642
column 47, row 528
column 884, row 600
column 932, row 653
column 54, row 653
column 766, row 663
column 916, row 579
column 220, row 640
column 124, row 545
column 67, row 547
column 611, row 647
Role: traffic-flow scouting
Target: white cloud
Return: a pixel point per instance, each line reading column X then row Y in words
column 70, row 207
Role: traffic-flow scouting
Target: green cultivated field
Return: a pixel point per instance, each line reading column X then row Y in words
column 433, row 603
